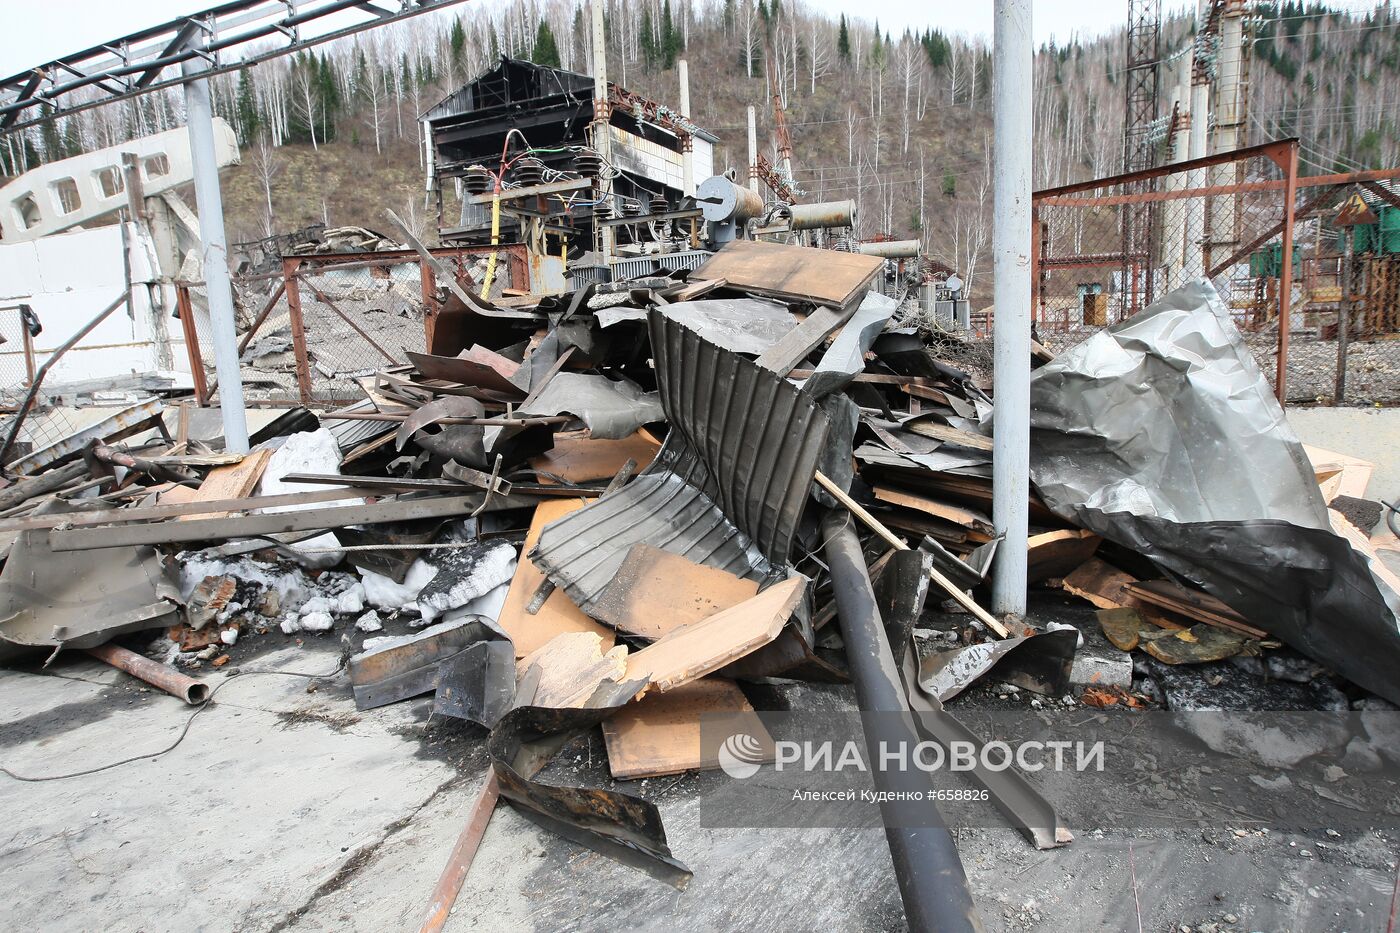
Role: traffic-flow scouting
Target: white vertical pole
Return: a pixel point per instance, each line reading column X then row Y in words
column 602, row 108
column 1013, row 53
column 687, row 156
column 200, row 122
column 753, row 151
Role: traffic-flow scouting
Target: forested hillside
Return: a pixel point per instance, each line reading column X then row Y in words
column 901, row 122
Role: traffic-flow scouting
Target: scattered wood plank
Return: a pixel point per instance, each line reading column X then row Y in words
column 693, row 290
column 793, row 273
column 174, row 502
column 656, row 592
column 1361, row 543
column 958, row 515
column 1056, row 553
column 949, row 434
column 1102, row 584
column 660, row 733
column 925, row 392
column 794, row 346
column 571, row 666
column 209, row 529
column 1199, row 607
column 703, row 647
column 874, row 524
column 558, row 614
column 1339, row 474
column 949, row 535
column 234, row 481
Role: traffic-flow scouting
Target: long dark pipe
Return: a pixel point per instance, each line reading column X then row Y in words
column 931, row 879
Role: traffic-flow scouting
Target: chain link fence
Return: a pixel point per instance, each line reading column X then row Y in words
column 1105, row 249
column 310, row 332
column 44, row 423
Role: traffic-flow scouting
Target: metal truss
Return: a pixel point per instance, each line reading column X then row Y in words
column 228, row 37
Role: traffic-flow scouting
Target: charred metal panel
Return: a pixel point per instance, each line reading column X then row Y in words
column 727, row 488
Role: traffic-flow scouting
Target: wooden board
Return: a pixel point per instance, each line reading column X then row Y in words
column 660, row 733
column 558, row 614
column 579, row 458
column 656, row 592
column 792, row 348
column 795, row 273
column 957, row 514
column 1199, row 607
column 1339, row 474
column 571, row 666
column 1103, row 585
column 949, row 434
column 1056, row 553
column 704, row 647
column 234, row 481
column 1360, row 542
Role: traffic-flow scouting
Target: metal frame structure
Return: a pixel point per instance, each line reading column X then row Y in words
column 1143, row 50
column 292, row 278
column 139, row 63
column 1283, row 153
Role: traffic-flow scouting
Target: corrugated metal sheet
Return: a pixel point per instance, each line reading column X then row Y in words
column 686, row 259
column 727, row 488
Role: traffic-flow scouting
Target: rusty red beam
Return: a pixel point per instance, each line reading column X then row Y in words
column 1311, row 181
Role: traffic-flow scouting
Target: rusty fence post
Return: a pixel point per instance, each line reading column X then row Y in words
column 289, row 281
column 192, row 348
column 1037, row 244
column 1285, row 291
column 431, row 307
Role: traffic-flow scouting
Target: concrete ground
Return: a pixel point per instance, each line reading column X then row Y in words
column 285, row 808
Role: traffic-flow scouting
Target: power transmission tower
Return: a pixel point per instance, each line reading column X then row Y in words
column 1144, row 52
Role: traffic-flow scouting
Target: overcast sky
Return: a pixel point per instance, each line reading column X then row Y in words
column 35, row 33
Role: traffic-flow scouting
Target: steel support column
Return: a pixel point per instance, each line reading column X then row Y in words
column 214, row 252
column 1011, row 252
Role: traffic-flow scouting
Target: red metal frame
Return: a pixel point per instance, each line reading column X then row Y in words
column 290, row 285
column 1283, row 153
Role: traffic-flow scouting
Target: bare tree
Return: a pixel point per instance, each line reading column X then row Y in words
column 266, row 165
column 373, row 94
column 818, row 51
column 307, row 101
column 752, row 29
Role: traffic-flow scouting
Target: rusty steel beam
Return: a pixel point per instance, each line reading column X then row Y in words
column 1384, row 194
column 192, row 348
column 262, row 316
column 1275, row 151
column 1310, row 181
column 1319, row 201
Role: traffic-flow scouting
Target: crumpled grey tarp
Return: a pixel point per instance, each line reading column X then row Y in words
column 1161, row 434
column 739, row 325
column 612, row 408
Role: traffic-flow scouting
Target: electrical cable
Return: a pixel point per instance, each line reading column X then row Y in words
column 184, row 731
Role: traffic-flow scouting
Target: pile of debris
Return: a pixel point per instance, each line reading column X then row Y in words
column 611, row 508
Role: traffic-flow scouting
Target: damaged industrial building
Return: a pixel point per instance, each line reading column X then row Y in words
column 620, row 538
